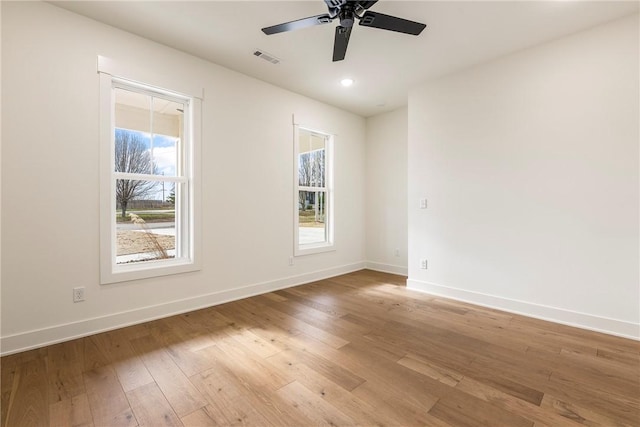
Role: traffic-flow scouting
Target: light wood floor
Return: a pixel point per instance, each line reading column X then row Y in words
column 358, row 349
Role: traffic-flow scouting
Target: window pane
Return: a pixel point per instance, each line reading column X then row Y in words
column 132, row 110
column 165, row 155
column 132, row 152
column 167, row 117
column 311, row 159
column 167, row 130
column 145, row 221
column 311, row 217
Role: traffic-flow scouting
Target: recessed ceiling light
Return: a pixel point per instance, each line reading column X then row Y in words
column 346, row 82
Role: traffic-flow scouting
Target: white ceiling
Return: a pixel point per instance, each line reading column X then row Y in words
column 384, row 64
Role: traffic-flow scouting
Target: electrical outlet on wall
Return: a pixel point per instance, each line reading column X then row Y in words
column 396, row 252
column 78, row 294
column 423, row 264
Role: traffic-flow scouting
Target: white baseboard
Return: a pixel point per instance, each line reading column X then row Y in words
column 605, row 325
column 388, row 268
column 68, row 331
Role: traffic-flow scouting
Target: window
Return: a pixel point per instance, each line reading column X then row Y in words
column 313, row 192
column 147, row 193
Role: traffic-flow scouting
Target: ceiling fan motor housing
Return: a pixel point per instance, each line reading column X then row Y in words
column 346, row 16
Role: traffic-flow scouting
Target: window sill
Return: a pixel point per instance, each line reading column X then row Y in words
column 314, row 249
column 125, row 273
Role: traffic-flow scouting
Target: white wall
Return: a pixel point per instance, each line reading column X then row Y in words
column 0, row 173
column 50, row 197
column 386, row 201
column 530, row 166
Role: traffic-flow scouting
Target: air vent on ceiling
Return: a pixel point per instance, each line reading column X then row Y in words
column 266, row 56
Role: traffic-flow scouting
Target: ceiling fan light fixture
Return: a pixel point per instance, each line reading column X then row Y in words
column 346, row 82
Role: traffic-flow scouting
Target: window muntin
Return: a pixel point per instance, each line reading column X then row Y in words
column 149, row 221
column 313, row 232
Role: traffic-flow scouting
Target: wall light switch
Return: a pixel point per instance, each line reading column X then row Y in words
column 423, row 203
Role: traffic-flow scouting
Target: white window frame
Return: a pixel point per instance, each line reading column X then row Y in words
column 329, row 244
column 188, row 204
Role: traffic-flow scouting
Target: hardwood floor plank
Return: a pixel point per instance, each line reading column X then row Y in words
column 182, row 343
column 618, row 355
column 436, row 351
column 582, row 415
column 627, row 408
column 151, row 408
column 242, row 316
column 513, row 404
column 94, row 356
column 331, row 324
column 461, row 409
column 135, row 331
column 201, row 418
column 206, row 320
column 65, row 365
column 406, row 412
column 355, row 408
column 589, row 369
column 180, row 330
column 255, row 343
column 488, row 327
column 108, row 403
column 420, row 390
column 317, row 410
column 285, row 321
column 318, row 303
column 238, row 358
column 516, row 386
column 259, row 396
column 431, row 370
column 128, row 366
column 227, row 404
column 378, row 348
column 330, row 370
column 71, row 412
column 274, row 297
column 29, row 403
column 7, row 373
column 181, row 394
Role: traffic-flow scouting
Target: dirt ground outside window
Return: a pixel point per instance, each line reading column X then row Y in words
column 135, row 242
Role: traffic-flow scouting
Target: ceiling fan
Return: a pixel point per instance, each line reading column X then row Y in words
column 348, row 11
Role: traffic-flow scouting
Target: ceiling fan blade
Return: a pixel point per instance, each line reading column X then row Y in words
column 366, row 4
column 341, row 42
column 391, row 23
column 298, row 24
